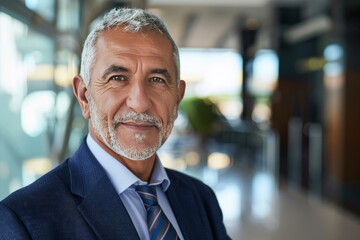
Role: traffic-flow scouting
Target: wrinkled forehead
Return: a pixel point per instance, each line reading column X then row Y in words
column 116, row 44
column 142, row 42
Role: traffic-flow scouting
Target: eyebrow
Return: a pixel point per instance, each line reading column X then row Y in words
column 114, row 69
column 163, row 72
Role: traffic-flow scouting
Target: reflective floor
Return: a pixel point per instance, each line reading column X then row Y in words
column 255, row 208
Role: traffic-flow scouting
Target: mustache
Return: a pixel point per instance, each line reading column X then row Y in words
column 138, row 118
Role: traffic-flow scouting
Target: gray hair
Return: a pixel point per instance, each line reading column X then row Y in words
column 132, row 20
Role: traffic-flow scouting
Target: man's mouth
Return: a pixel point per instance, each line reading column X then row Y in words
column 137, row 121
column 137, row 125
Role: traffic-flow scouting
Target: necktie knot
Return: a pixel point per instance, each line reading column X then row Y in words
column 147, row 194
column 158, row 224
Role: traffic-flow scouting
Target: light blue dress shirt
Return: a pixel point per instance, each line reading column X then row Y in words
column 124, row 180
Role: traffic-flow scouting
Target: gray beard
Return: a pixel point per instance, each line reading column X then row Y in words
column 110, row 139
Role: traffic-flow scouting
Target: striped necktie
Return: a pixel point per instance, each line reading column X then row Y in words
column 158, row 224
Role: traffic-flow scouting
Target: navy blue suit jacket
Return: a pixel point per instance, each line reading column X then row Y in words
column 76, row 200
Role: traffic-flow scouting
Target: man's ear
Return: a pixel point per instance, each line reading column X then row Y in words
column 80, row 91
column 181, row 91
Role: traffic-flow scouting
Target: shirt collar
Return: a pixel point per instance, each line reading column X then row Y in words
column 121, row 177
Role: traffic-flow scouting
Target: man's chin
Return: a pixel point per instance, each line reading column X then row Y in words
column 136, row 157
column 138, row 153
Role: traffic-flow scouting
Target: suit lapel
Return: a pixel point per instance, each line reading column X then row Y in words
column 181, row 213
column 188, row 213
column 105, row 213
column 101, row 206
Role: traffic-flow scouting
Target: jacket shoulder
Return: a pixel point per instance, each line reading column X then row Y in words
column 47, row 190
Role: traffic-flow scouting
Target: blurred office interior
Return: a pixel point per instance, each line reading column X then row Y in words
column 270, row 120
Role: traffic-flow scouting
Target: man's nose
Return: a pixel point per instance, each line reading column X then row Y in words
column 138, row 98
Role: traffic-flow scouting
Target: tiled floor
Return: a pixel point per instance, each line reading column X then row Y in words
column 255, row 208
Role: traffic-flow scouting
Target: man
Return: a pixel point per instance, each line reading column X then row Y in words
column 114, row 186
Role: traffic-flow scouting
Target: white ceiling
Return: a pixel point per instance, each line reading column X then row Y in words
column 211, row 23
column 216, row 23
column 221, row 3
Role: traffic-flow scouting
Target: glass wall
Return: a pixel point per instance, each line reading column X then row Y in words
column 35, row 97
column 25, row 78
column 45, row 8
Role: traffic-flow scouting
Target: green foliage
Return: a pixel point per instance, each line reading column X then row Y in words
column 202, row 114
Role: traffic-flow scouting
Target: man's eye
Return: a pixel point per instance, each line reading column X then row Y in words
column 157, row 80
column 118, row 78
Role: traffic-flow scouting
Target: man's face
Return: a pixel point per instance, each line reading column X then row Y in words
column 133, row 96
